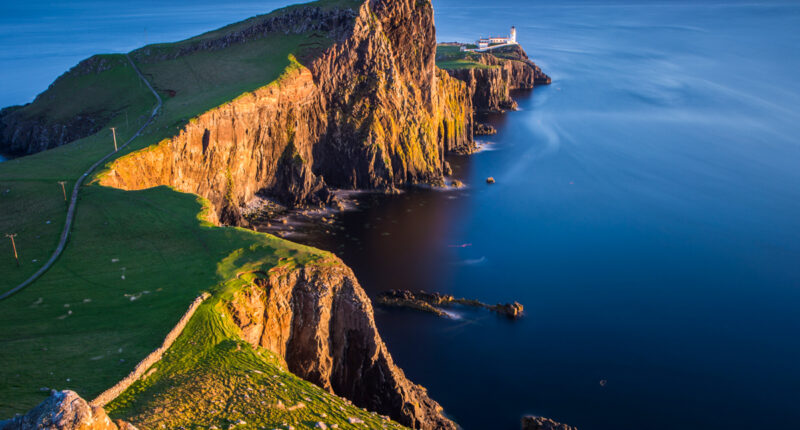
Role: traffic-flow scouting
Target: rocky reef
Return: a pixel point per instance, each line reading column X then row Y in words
column 428, row 302
column 484, row 129
column 541, row 423
column 65, row 410
column 505, row 69
column 319, row 319
column 372, row 111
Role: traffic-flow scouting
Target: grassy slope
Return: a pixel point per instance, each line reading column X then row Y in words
column 82, row 325
column 449, row 57
column 102, row 94
column 30, row 195
column 210, row 377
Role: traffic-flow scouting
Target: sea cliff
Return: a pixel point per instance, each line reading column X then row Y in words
column 372, row 111
column 491, row 76
column 319, row 319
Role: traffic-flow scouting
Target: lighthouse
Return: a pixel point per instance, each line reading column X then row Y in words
column 513, row 37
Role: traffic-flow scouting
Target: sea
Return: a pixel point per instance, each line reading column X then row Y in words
column 646, row 210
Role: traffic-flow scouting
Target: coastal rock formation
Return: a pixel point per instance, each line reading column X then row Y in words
column 372, row 111
column 541, row 423
column 427, row 302
column 321, row 321
column 509, row 68
column 484, row 129
column 22, row 135
column 65, row 410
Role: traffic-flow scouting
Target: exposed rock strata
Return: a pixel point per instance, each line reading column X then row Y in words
column 509, row 69
column 65, row 410
column 320, row 320
column 372, row 111
column 541, row 423
column 427, row 302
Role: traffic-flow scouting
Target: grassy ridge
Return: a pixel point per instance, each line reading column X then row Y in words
column 102, row 86
column 135, row 260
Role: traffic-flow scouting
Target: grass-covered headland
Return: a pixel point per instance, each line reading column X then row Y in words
column 137, row 259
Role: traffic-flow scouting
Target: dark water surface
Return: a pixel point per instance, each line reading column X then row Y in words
column 646, row 212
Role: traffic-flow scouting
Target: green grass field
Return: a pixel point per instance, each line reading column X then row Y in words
column 449, row 57
column 137, row 259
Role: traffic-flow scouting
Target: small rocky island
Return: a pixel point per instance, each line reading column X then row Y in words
column 428, row 302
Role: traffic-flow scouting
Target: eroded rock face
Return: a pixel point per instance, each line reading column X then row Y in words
column 321, row 321
column 541, row 423
column 372, row 111
column 511, row 69
column 65, row 410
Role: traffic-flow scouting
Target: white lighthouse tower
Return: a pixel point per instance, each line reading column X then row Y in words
column 513, row 37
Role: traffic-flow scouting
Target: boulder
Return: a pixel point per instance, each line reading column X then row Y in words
column 65, row 410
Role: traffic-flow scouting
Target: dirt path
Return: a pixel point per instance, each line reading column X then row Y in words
column 74, row 198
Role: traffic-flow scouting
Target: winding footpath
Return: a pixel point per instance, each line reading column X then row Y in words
column 74, row 199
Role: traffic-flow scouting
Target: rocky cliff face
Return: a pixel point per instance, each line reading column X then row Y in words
column 509, row 69
column 320, row 320
column 65, row 410
column 23, row 135
column 372, row 111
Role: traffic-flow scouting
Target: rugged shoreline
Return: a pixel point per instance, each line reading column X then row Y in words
column 370, row 112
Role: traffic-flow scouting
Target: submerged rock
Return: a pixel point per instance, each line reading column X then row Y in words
column 65, row 410
column 541, row 423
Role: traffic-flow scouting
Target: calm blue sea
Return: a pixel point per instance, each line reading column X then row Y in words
column 646, row 210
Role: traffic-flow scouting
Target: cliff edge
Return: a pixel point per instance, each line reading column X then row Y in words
column 371, row 111
column 320, row 320
column 491, row 76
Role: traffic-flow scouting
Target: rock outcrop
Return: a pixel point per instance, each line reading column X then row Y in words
column 541, row 423
column 23, row 135
column 428, row 302
column 484, row 129
column 372, row 111
column 65, row 410
column 321, row 321
column 508, row 69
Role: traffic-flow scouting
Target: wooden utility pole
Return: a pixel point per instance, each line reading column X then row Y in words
column 63, row 190
column 14, row 245
column 114, row 132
